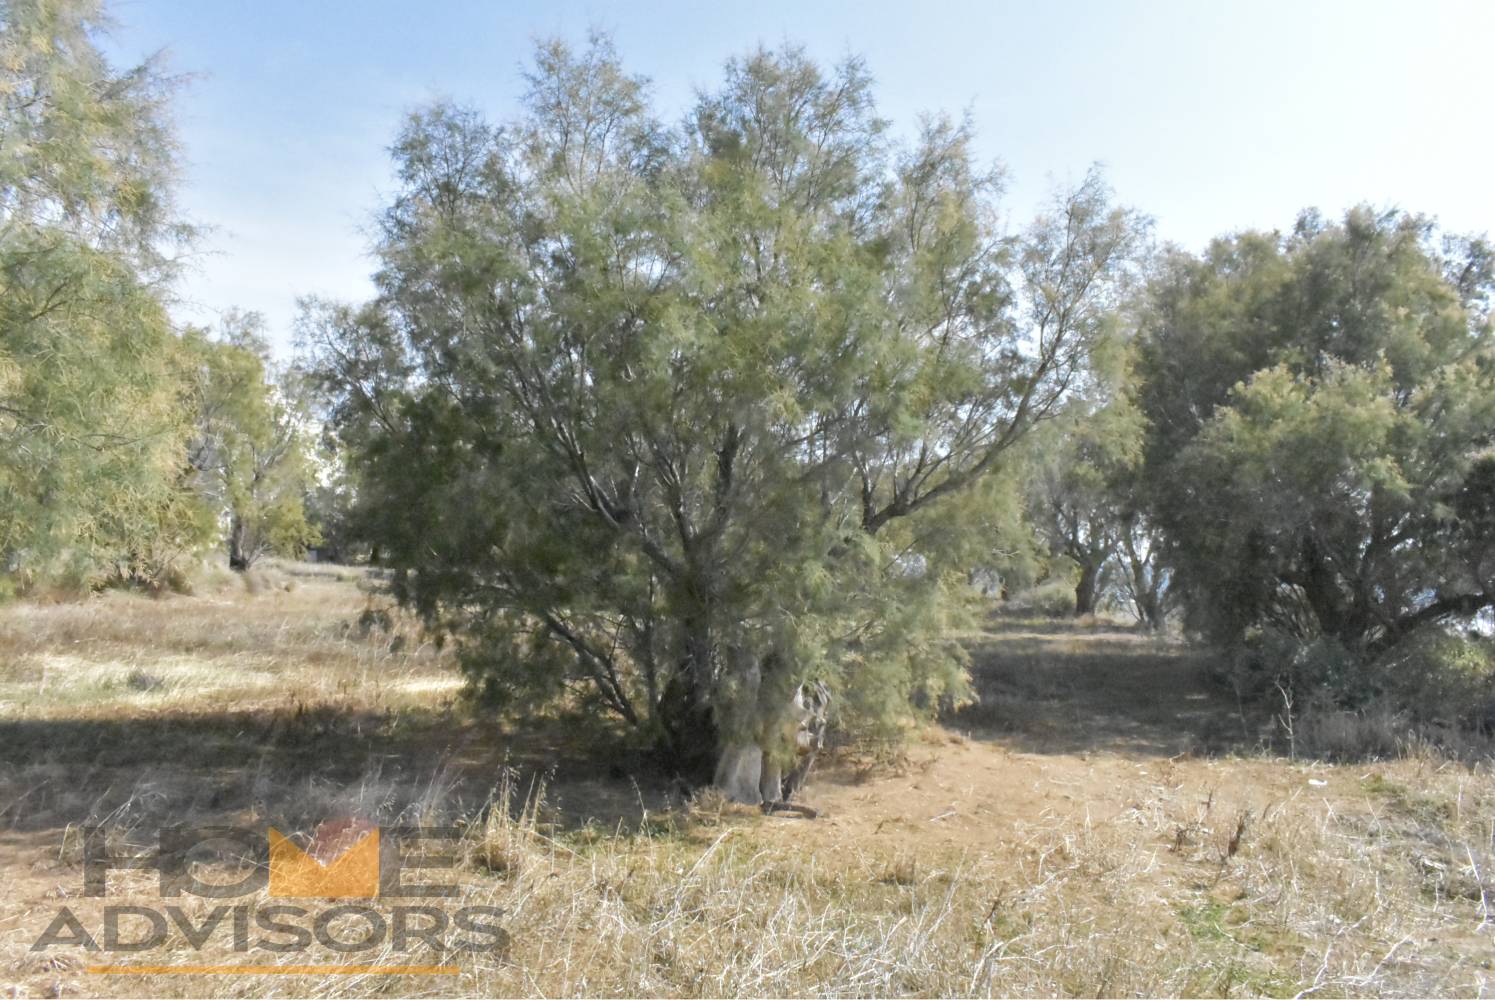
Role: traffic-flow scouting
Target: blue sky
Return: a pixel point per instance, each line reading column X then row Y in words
column 1209, row 116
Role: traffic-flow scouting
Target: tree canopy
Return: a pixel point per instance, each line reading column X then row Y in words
column 692, row 415
column 250, row 450
column 1322, row 408
column 90, row 420
column 698, row 423
column 104, row 408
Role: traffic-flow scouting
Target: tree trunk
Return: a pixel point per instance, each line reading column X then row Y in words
column 1087, row 590
column 734, row 718
column 739, row 773
column 771, row 782
column 1151, row 608
column 739, row 766
column 238, row 558
column 1145, row 579
column 690, row 730
column 688, row 736
column 1326, row 595
column 788, row 731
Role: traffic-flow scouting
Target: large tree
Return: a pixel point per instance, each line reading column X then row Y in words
column 91, row 418
column 250, row 452
column 1086, row 490
column 1322, row 411
column 1075, row 498
column 694, row 415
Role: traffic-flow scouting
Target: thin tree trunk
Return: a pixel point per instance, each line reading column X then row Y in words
column 238, row 558
column 739, row 771
column 1144, row 581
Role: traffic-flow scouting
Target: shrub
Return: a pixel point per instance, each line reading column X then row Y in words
column 1052, row 599
column 1443, row 678
column 1342, row 702
column 1377, row 730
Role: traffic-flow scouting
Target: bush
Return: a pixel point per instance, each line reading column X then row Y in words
column 1377, row 730
column 1444, row 679
column 1052, row 599
column 1340, row 702
column 1321, row 669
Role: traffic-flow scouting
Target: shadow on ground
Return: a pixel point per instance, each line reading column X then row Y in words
column 1060, row 687
column 297, row 766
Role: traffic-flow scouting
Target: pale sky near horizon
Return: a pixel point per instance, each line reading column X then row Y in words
column 1209, row 116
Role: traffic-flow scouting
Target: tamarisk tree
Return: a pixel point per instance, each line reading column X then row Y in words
column 250, row 453
column 1321, row 407
column 683, row 418
column 91, row 422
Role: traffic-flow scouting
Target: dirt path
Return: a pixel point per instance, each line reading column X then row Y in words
column 1071, row 725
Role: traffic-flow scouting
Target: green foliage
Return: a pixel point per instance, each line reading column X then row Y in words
column 1444, row 679
column 678, row 415
column 1080, row 466
column 1055, row 596
column 1271, row 661
column 1322, row 409
column 1085, row 489
column 86, row 151
column 1436, row 681
column 91, row 422
column 330, row 502
column 250, row 450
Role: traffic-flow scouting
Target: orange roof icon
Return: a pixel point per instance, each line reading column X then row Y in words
column 352, row 874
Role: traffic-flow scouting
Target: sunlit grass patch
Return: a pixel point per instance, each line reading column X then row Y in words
column 51, row 683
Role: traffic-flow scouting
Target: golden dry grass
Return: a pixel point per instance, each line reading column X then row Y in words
column 1103, row 824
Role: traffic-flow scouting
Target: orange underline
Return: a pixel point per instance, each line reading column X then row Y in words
column 273, row 970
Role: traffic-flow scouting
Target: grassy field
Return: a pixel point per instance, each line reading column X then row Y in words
column 1102, row 822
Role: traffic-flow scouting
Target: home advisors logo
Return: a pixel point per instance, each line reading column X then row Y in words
column 345, row 860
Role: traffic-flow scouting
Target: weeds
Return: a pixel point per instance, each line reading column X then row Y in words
column 1125, row 862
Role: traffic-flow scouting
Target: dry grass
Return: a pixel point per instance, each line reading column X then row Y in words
column 1094, row 832
column 123, row 651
